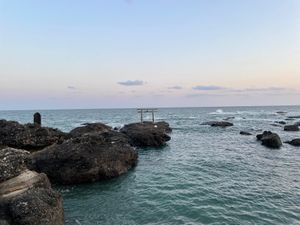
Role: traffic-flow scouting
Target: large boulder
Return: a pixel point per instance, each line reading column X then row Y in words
column 269, row 139
column 28, row 136
column 147, row 134
column 294, row 142
column 291, row 128
column 26, row 197
column 218, row 124
column 89, row 128
column 88, row 158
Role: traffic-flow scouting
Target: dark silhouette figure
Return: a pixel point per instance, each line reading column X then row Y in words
column 37, row 119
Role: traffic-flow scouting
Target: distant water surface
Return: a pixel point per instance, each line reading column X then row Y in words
column 206, row 175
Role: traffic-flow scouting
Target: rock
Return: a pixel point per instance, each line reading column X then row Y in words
column 28, row 136
column 89, row 128
column 245, row 133
column 281, row 122
column 12, row 163
column 147, row 134
column 88, row 158
column 281, row 112
column 218, row 123
column 276, row 125
column 269, row 139
column 26, row 197
column 295, row 142
column 293, row 117
column 291, row 128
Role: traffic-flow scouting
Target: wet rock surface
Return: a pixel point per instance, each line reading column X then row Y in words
column 269, row 139
column 26, row 197
column 218, row 123
column 294, row 142
column 147, row 134
column 87, row 158
column 28, row 136
column 291, row 128
column 245, row 133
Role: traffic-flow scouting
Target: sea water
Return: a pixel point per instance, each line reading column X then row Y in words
column 205, row 175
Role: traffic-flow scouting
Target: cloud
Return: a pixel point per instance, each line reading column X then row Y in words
column 72, row 88
column 268, row 89
column 131, row 83
column 208, row 88
column 175, row 87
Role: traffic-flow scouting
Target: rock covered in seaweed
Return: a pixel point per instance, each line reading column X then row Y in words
column 269, row 139
column 147, row 134
column 87, row 158
column 28, row 136
column 26, row 197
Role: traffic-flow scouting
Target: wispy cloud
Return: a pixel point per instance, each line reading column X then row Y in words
column 208, row 88
column 268, row 89
column 132, row 83
column 175, row 87
column 72, row 88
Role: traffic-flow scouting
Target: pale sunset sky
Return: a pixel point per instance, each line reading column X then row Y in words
column 151, row 53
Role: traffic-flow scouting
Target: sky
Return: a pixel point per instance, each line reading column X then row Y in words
column 148, row 53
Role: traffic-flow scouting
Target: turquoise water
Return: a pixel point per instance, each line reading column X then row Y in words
column 205, row 175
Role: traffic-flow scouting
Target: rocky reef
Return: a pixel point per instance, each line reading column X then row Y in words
column 269, row 139
column 29, row 136
column 26, row 197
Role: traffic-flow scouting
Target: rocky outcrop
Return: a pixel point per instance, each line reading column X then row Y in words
column 26, row 197
column 269, row 139
column 28, row 136
column 88, row 158
column 89, row 128
column 218, row 123
column 281, row 122
column 245, row 133
column 291, row 128
column 147, row 134
column 294, row 142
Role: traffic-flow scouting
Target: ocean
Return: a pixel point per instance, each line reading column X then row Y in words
column 205, row 175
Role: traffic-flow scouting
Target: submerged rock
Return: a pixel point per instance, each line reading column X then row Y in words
column 297, row 124
column 147, row 134
column 245, row 133
column 218, row 123
column 269, row 139
column 293, row 117
column 291, row 128
column 281, row 122
column 88, row 158
column 28, row 136
column 26, row 197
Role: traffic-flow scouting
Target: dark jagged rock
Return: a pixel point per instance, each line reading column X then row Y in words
column 87, row 158
column 147, row 134
column 295, row 142
column 28, row 136
column 26, row 197
column 281, row 122
column 218, row 123
column 269, row 139
column 291, row 128
column 89, row 128
column 245, row 133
